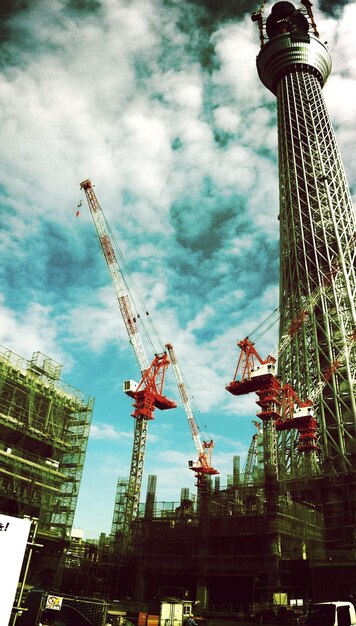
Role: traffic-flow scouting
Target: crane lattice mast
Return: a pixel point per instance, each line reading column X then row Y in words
column 148, row 394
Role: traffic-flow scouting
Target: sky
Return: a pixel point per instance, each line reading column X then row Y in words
column 158, row 102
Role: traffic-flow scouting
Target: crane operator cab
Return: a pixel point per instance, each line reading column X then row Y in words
column 262, row 370
column 129, row 387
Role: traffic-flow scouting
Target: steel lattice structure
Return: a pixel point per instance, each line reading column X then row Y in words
column 148, row 394
column 317, row 237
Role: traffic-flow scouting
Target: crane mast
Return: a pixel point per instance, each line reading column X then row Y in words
column 148, row 394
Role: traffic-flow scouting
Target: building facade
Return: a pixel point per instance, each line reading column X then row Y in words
column 44, row 429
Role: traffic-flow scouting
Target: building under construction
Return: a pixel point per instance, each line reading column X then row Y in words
column 44, row 429
column 235, row 555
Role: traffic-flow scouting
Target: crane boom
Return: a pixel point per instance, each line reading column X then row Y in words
column 204, row 448
column 185, row 399
column 314, row 297
column 116, row 275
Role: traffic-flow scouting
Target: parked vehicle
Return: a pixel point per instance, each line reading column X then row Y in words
column 331, row 614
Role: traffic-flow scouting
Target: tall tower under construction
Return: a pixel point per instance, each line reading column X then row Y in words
column 284, row 528
column 317, row 241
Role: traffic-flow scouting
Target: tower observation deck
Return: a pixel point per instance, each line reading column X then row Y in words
column 317, row 233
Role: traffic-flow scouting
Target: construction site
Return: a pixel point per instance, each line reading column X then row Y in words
column 281, row 532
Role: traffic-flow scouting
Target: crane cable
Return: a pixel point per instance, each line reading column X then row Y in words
column 265, row 326
column 137, row 300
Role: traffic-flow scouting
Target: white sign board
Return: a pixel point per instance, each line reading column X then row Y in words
column 13, row 539
column 54, row 603
column 171, row 613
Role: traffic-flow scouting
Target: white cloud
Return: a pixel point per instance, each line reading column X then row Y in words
column 101, row 430
column 97, row 321
column 237, row 48
column 227, row 119
column 201, row 319
column 30, row 331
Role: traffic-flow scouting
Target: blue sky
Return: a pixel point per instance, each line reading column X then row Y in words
column 159, row 104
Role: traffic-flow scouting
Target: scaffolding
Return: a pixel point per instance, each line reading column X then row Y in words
column 44, row 430
column 117, row 527
column 238, row 550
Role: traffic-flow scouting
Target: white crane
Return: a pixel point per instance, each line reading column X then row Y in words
column 148, row 394
column 202, row 467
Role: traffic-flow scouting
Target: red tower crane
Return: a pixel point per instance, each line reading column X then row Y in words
column 281, row 408
column 252, row 372
column 299, row 414
column 256, row 373
column 203, row 466
column 148, row 394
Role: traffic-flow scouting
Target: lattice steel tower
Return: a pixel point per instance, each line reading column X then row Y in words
column 317, row 233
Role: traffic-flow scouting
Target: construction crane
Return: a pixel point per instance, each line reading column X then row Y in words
column 256, row 371
column 148, row 393
column 297, row 413
column 257, row 16
column 252, row 372
column 252, row 455
column 282, row 409
column 203, row 466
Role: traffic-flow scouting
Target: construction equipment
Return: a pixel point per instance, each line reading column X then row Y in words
column 257, row 372
column 148, row 393
column 303, row 17
column 252, row 456
column 282, row 409
column 203, row 466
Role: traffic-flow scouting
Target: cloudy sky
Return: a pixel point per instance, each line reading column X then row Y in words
column 159, row 104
